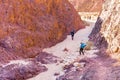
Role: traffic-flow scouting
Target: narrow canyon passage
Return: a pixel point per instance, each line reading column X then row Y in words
column 97, row 67
column 35, row 40
column 67, row 56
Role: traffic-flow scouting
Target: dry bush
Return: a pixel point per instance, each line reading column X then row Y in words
column 89, row 45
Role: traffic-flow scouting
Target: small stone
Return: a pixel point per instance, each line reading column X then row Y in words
column 56, row 74
column 65, row 49
column 61, row 61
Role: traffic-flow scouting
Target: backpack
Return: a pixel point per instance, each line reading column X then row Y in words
column 82, row 45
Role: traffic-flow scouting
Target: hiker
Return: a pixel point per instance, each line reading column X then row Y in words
column 82, row 46
column 72, row 34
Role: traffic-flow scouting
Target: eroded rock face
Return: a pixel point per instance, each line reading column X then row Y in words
column 87, row 5
column 110, row 26
column 97, row 37
column 21, row 71
column 27, row 26
column 26, row 68
column 100, row 68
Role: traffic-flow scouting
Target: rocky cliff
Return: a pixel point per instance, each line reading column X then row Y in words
column 87, row 5
column 27, row 26
column 107, row 28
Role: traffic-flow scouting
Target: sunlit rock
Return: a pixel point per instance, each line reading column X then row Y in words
column 87, row 5
column 30, row 25
column 109, row 27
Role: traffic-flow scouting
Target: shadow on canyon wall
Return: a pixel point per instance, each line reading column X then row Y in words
column 96, row 36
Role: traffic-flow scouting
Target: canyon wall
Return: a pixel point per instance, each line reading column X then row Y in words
column 27, row 26
column 107, row 28
column 87, row 5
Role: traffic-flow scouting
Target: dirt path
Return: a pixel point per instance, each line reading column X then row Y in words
column 96, row 67
column 67, row 56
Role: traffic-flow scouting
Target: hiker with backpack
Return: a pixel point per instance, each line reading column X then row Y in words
column 72, row 34
column 82, row 46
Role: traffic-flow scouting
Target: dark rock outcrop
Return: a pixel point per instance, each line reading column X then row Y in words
column 24, row 69
column 30, row 25
column 21, row 71
column 46, row 58
column 97, row 37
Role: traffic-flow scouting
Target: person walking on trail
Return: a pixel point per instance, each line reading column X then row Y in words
column 82, row 46
column 72, row 34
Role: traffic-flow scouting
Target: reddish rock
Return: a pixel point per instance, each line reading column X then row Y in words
column 31, row 24
column 65, row 49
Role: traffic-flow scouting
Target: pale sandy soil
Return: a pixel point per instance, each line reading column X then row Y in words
column 67, row 56
column 89, row 15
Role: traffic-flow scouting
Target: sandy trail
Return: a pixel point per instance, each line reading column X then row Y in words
column 67, row 56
